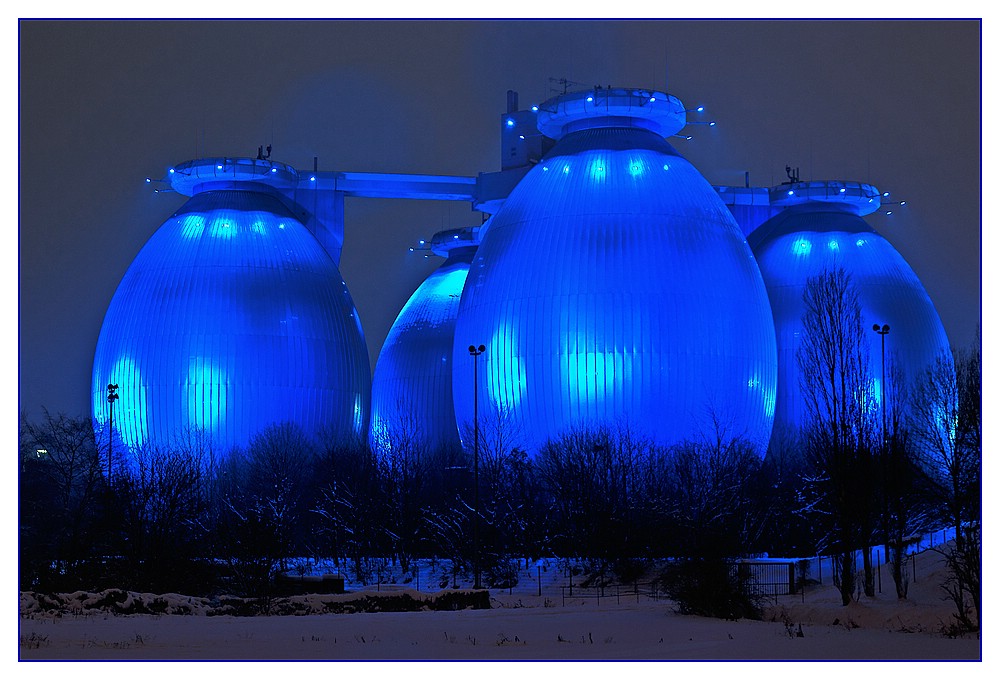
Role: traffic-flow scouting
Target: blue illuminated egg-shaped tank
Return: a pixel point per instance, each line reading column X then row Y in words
column 412, row 401
column 821, row 228
column 613, row 287
column 231, row 318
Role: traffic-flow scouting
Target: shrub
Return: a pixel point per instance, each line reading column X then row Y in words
column 710, row 587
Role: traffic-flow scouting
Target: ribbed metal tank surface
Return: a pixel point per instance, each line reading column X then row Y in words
column 614, row 288
column 818, row 235
column 231, row 318
column 412, row 401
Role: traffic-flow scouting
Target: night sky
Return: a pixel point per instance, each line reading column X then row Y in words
column 103, row 105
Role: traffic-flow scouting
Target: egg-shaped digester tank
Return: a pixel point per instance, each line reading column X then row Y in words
column 412, row 400
column 613, row 287
column 821, row 228
column 231, row 318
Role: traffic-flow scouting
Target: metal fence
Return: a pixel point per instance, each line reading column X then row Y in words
column 613, row 592
column 767, row 578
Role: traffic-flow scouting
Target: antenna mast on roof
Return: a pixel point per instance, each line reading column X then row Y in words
column 565, row 84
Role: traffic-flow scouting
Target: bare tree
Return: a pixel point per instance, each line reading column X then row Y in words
column 946, row 420
column 507, row 492
column 161, row 507
column 401, row 452
column 840, row 427
column 902, row 508
column 350, row 503
column 62, row 492
column 263, row 506
column 595, row 478
column 712, row 494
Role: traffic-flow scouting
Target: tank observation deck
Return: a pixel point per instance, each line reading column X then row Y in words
column 862, row 198
column 192, row 177
column 657, row 111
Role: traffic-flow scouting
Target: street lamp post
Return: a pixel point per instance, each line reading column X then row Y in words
column 112, row 398
column 475, row 352
column 883, row 331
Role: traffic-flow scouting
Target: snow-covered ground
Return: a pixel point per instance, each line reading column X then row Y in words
column 522, row 625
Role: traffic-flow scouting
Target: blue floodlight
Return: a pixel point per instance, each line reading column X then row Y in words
column 534, row 108
column 510, row 122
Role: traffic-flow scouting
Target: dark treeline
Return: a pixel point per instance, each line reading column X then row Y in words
column 187, row 519
column 171, row 518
